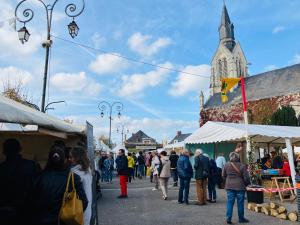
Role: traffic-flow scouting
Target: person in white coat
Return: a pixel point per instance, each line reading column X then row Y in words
column 81, row 167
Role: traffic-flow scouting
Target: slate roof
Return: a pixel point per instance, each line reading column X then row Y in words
column 273, row 83
column 138, row 137
column 180, row 137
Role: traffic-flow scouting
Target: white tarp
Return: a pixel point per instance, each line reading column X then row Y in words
column 118, row 147
column 213, row 132
column 14, row 112
column 175, row 145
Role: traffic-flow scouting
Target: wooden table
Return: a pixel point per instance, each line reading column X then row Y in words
column 280, row 190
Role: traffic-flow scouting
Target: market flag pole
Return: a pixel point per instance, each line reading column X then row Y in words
column 248, row 144
column 227, row 84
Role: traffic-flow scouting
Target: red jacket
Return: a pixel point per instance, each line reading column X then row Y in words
column 286, row 168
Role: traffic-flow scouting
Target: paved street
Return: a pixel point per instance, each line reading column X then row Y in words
column 145, row 207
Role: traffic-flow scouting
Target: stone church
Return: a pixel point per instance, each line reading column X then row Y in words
column 265, row 92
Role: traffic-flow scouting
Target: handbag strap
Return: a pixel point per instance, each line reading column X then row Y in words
column 236, row 169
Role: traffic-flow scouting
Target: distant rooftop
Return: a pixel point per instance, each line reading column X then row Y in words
column 270, row 84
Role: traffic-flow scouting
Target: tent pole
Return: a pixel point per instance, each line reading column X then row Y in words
column 248, row 144
column 291, row 159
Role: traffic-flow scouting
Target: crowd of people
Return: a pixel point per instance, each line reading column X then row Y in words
column 31, row 195
column 40, row 199
column 208, row 173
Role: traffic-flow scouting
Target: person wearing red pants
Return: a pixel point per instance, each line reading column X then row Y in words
column 122, row 168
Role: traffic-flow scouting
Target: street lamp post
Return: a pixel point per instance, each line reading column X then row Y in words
column 27, row 14
column 106, row 106
column 123, row 130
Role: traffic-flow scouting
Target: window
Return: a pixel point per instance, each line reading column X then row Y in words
column 225, row 71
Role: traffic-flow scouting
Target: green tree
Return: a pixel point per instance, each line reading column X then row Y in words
column 285, row 116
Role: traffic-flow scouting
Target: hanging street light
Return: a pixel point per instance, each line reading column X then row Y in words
column 26, row 15
column 73, row 29
column 106, row 106
column 23, row 35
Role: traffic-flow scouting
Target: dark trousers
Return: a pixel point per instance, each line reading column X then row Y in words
column 184, row 190
column 212, row 189
column 175, row 176
column 131, row 174
column 136, row 171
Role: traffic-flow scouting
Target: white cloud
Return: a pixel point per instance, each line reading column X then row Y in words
column 108, row 63
column 141, row 44
column 134, row 85
column 296, row 59
column 15, row 75
column 278, row 29
column 271, row 67
column 98, row 40
column 157, row 128
column 75, row 83
column 188, row 83
column 58, row 16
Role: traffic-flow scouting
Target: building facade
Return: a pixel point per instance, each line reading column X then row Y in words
column 265, row 92
column 140, row 141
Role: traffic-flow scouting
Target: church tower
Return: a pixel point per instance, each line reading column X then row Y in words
column 229, row 59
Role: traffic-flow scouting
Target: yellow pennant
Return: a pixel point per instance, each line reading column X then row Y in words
column 227, row 84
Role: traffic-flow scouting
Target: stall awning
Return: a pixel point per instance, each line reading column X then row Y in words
column 175, row 145
column 17, row 113
column 213, row 132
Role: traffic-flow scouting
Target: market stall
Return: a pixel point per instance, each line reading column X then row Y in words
column 261, row 135
column 37, row 131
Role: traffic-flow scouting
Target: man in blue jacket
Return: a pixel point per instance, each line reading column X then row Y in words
column 185, row 173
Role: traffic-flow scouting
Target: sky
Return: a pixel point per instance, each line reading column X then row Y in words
column 174, row 34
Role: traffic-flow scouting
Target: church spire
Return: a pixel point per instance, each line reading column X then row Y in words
column 226, row 30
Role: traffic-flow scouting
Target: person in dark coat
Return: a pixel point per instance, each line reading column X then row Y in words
column 185, row 173
column 16, row 175
column 201, row 167
column 173, row 159
column 212, row 181
column 49, row 189
column 122, row 168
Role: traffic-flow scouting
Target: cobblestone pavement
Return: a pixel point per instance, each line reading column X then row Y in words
column 146, row 207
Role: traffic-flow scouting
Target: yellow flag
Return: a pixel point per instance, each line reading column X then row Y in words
column 227, row 84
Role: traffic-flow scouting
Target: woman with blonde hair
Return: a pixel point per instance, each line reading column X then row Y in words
column 81, row 167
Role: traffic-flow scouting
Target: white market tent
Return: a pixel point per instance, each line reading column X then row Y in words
column 118, row 147
column 213, row 132
column 175, row 145
column 17, row 113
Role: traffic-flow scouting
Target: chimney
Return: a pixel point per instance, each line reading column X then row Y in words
column 179, row 133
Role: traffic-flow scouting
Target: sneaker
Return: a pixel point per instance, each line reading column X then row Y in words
column 122, row 196
column 154, row 189
column 213, row 201
column 187, row 202
column 229, row 222
column 180, row 202
column 244, row 220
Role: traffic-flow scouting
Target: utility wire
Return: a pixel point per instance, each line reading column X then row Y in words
column 128, row 58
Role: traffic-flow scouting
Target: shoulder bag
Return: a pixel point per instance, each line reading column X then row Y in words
column 246, row 181
column 71, row 212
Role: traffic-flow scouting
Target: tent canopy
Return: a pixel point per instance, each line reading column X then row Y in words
column 14, row 112
column 213, row 132
column 118, row 147
column 175, row 145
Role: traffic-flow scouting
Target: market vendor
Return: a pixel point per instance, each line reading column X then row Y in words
column 286, row 167
column 268, row 164
column 276, row 160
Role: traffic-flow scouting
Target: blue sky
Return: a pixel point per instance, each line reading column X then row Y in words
column 181, row 35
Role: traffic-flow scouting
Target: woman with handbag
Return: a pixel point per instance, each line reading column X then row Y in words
column 50, row 189
column 81, row 167
column 237, row 178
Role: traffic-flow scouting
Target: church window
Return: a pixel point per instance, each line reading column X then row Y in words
column 220, row 68
column 225, row 70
